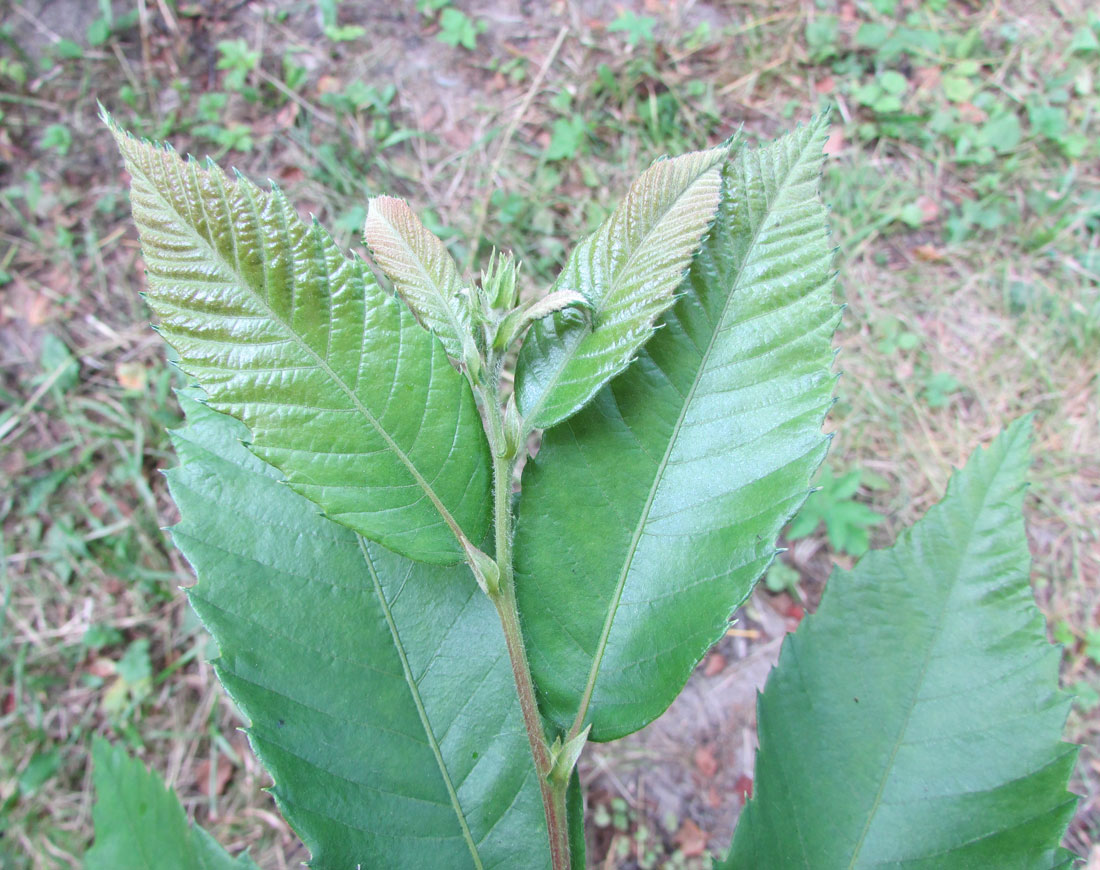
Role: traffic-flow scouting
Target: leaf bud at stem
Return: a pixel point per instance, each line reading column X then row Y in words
column 564, row 758
column 486, row 571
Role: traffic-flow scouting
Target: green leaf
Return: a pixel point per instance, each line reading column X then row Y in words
column 379, row 690
column 628, row 270
column 516, row 323
column 140, row 825
column 914, row 720
column 338, row 385
column 645, row 519
column 423, row 272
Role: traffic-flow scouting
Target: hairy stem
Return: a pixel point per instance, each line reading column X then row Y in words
column 553, row 797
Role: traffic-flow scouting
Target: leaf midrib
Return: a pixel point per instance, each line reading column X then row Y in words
column 322, row 363
column 601, row 645
column 919, row 682
column 414, row 691
column 598, row 308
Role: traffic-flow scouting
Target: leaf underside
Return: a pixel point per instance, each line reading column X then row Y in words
column 378, row 690
column 646, row 518
column 423, row 272
column 914, row 720
column 339, row 386
column 628, row 270
column 140, row 825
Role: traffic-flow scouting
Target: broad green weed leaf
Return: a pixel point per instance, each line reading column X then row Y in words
column 339, row 386
column 423, row 272
column 628, row 270
column 140, row 825
column 646, row 518
column 914, row 720
column 378, row 690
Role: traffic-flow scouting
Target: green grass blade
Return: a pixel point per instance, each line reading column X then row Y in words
column 628, row 270
column 914, row 720
column 140, row 825
column 646, row 518
column 378, row 689
column 339, row 386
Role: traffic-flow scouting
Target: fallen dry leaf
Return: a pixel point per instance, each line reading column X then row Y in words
column 222, row 775
column 928, row 253
column 716, row 663
column 929, row 209
column 328, row 85
column 835, row 143
column 691, row 839
column 971, row 114
column 927, row 77
column 705, row 762
column 132, row 376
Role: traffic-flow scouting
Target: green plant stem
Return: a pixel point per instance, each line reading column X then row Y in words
column 553, row 795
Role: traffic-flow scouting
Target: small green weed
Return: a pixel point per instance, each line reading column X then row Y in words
column 847, row 521
column 238, row 60
column 458, row 29
column 637, row 29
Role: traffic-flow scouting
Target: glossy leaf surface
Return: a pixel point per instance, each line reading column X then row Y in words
column 378, row 690
column 914, row 720
column 140, row 825
column 628, row 270
column 646, row 518
column 423, row 272
column 340, row 387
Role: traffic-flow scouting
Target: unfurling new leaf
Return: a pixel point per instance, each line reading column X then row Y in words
column 423, row 273
column 628, row 270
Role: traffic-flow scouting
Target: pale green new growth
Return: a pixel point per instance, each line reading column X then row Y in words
column 427, row 713
column 628, row 270
column 423, row 273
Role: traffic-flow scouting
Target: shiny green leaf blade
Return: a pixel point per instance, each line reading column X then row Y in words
column 646, row 518
column 423, row 272
column 914, row 721
column 340, row 387
column 378, row 690
column 628, row 270
column 140, row 825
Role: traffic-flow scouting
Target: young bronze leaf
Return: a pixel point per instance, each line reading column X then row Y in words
column 646, row 518
column 423, row 273
column 340, row 388
column 914, row 720
column 628, row 270
column 378, row 690
column 140, row 825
